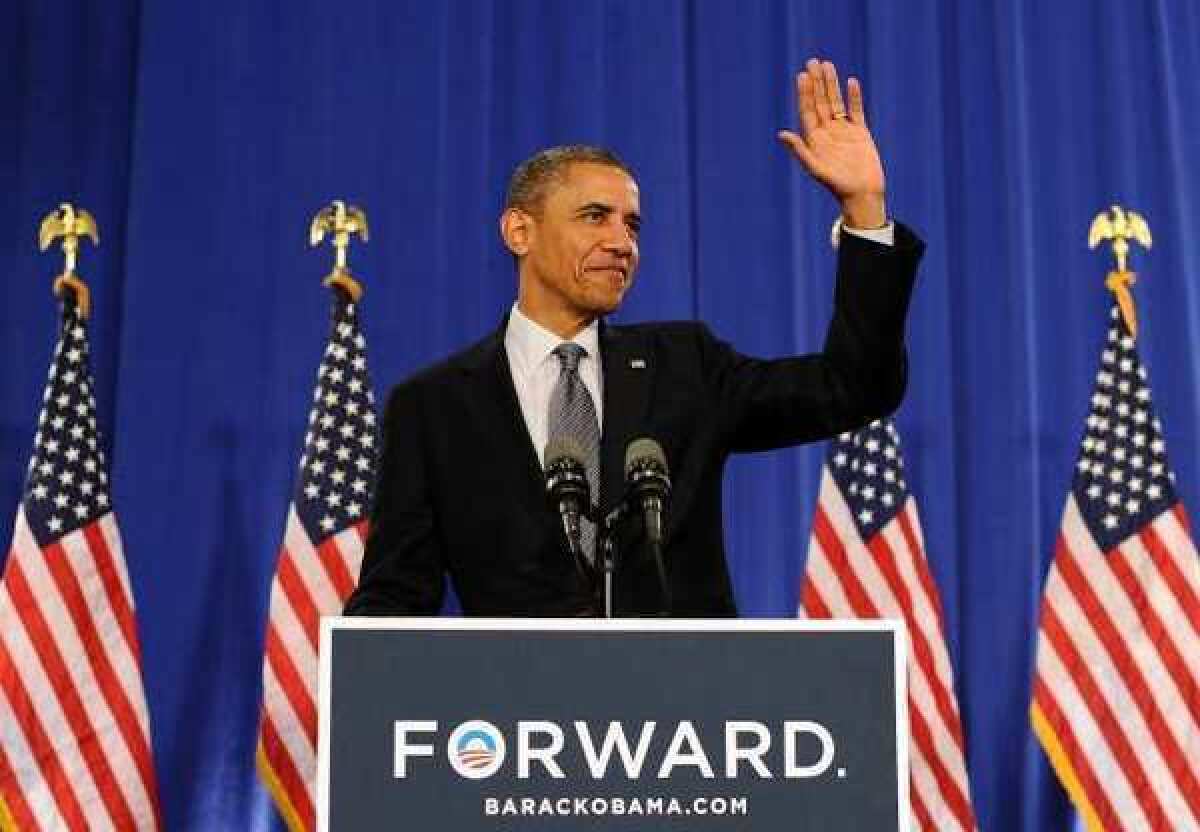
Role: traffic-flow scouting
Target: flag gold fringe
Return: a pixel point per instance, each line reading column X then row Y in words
column 1064, row 770
column 282, row 802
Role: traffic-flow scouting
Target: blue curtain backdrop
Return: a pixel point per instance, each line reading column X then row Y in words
column 203, row 136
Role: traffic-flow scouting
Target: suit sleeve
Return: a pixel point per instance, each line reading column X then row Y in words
column 403, row 566
column 860, row 374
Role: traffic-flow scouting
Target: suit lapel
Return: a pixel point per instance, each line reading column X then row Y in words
column 499, row 406
column 628, row 380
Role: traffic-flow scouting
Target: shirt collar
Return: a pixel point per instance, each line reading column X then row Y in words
column 529, row 344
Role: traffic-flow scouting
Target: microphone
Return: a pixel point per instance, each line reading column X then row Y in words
column 649, row 484
column 569, row 494
column 649, row 487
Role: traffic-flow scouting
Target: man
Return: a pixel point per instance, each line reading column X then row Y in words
column 462, row 490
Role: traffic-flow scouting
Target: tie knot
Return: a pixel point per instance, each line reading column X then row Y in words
column 569, row 355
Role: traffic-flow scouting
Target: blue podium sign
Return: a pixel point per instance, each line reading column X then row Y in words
column 482, row 725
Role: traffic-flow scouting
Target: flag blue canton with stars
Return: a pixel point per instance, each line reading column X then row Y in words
column 1122, row 480
column 67, row 487
column 337, row 470
column 869, row 471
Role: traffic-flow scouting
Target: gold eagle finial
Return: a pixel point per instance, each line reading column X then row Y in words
column 341, row 222
column 69, row 223
column 1120, row 226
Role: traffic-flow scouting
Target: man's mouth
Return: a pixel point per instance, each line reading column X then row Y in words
column 618, row 271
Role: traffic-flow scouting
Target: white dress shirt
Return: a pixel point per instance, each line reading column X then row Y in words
column 884, row 235
column 535, row 368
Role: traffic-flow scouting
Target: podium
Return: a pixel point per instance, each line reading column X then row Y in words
column 628, row 725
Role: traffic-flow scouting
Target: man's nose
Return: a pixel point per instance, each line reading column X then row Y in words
column 620, row 242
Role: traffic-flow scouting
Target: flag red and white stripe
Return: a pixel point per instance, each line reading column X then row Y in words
column 867, row 559
column 75, row 750
column 318, row 564
column 1116, row 690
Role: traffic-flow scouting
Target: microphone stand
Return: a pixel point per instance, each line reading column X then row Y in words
column 607, row 553
column 656, row 553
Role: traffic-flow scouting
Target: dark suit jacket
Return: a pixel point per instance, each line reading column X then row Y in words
column 461, row 492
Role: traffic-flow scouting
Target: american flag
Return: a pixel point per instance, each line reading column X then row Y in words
column 318, row 563
column 1116, row 689
column 866, row 559
column 75, row 747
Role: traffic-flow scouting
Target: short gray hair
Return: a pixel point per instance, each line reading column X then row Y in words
column 529, row 182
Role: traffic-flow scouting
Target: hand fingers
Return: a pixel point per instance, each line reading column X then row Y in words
column 796, row 144
column 805, row 102
column 858, row 113
column 821, row 96
column 832, row 88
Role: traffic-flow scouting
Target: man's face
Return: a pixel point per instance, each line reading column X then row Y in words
column 583, row 244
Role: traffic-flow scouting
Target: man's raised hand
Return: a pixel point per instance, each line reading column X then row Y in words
column 835, row 146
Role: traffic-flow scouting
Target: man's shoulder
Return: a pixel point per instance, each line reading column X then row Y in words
column 452, row 368
column 450, row 371
column 665, row 331
column 686, row 342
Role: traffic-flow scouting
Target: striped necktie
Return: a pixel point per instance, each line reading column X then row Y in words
column 573, row 414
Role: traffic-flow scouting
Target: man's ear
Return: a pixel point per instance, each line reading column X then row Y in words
column 516, row 227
